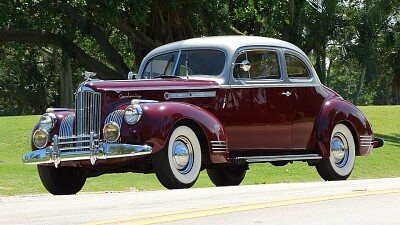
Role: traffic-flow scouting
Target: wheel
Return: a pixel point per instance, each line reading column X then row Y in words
column 228, row 176
column 342, row 155
column 62, row 180
column 178, row 164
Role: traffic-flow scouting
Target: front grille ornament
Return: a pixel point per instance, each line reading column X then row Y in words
column 89, row 75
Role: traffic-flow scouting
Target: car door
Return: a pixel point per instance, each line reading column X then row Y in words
column 308, row 98
column 259, row 109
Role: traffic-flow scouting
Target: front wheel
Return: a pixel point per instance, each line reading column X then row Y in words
column 178, row 164
column 228, row 176
column 340, row 163
column 62, row 180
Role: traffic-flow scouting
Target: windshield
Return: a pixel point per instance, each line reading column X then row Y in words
column 185, row 63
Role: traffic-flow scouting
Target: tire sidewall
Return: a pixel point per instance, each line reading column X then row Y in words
column 192, row 175
column 346, row 170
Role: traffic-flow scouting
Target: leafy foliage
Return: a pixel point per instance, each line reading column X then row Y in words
column 111, row 38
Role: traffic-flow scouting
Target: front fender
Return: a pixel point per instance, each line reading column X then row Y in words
column 60, row 116
column 335, row 111
column 159, row 119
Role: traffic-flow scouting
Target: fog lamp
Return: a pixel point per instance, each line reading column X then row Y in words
column 40, row 138
column 111, row 132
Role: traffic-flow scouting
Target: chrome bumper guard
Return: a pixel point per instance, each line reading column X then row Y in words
column 56, row 155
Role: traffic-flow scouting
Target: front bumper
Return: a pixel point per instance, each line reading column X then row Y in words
column 102, row 151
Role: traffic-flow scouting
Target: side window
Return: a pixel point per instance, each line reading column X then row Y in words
column 296, row 69
column 264, row 64
column 160, row 65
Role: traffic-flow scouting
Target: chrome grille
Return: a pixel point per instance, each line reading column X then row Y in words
column 67, row 126
column 88, row 112
column 87, row 124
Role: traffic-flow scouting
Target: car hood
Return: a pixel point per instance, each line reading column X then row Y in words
column 154, row 84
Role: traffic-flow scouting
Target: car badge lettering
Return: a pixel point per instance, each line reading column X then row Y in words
column 129, row 95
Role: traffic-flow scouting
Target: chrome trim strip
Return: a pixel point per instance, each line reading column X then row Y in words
column 270, row 84
column 50, row 110
column 219, row 152
column 163, row 88
column 217, row 146
column 104, row 151
column 259, row 159
column 366, row 141
column 204, row 94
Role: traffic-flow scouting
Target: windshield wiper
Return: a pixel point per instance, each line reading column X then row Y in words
column 168, row 76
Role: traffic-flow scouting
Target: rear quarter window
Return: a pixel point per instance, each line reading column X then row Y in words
column 296, row 68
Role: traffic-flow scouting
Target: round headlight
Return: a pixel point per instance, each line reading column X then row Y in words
column 48, row 121
column 111, row 132
column 40, row 138
column 133, row 113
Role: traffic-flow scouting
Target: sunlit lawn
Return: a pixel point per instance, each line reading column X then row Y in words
column 17, row 179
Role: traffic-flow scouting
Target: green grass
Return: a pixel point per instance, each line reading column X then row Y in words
column 17, row 179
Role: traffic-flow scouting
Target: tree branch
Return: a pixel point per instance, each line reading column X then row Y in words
column 91, row 29
column 44, row 37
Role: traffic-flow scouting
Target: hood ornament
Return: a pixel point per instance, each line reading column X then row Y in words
column 89, row 75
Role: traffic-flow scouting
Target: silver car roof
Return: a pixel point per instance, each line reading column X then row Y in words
column 228, row 43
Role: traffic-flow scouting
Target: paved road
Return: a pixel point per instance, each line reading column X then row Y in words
column 343, row 202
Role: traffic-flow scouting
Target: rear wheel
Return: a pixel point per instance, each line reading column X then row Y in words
column 342, row 155
column 227, row 176
column 178, row 164
column 62, row 180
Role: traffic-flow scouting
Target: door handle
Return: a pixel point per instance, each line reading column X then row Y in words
column 287, row 93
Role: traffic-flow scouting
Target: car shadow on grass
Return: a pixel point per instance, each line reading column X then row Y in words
column 389, row 139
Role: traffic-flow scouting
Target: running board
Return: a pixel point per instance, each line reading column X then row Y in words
column 274, row 158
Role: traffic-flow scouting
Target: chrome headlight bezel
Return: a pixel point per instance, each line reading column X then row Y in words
column 133, row 113
column 106, row 133
column 48, row 121
column 35, row 135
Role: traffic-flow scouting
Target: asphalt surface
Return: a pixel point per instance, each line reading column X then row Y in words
column 341, row 202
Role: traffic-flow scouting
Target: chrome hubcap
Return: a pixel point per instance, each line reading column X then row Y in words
column 182, row 154
column 339, row 149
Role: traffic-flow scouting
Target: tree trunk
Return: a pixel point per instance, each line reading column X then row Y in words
column 66, row 89
column 359, row 86
column 328, row 72
column 323, row 66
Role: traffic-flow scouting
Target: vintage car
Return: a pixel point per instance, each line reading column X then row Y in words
column 213, row 103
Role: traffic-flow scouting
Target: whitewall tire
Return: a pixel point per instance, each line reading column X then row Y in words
column 178, row 164
column 340, row 163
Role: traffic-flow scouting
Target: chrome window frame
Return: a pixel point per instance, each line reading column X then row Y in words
column 313, row 77
column 180, row 50
column 245, row 81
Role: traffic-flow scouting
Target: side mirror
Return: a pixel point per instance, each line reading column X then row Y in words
column 244, row 65
column 131, row 75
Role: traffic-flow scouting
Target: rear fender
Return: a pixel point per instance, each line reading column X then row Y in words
column 335, row 111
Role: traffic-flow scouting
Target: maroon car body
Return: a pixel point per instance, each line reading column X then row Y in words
column 216, row 103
